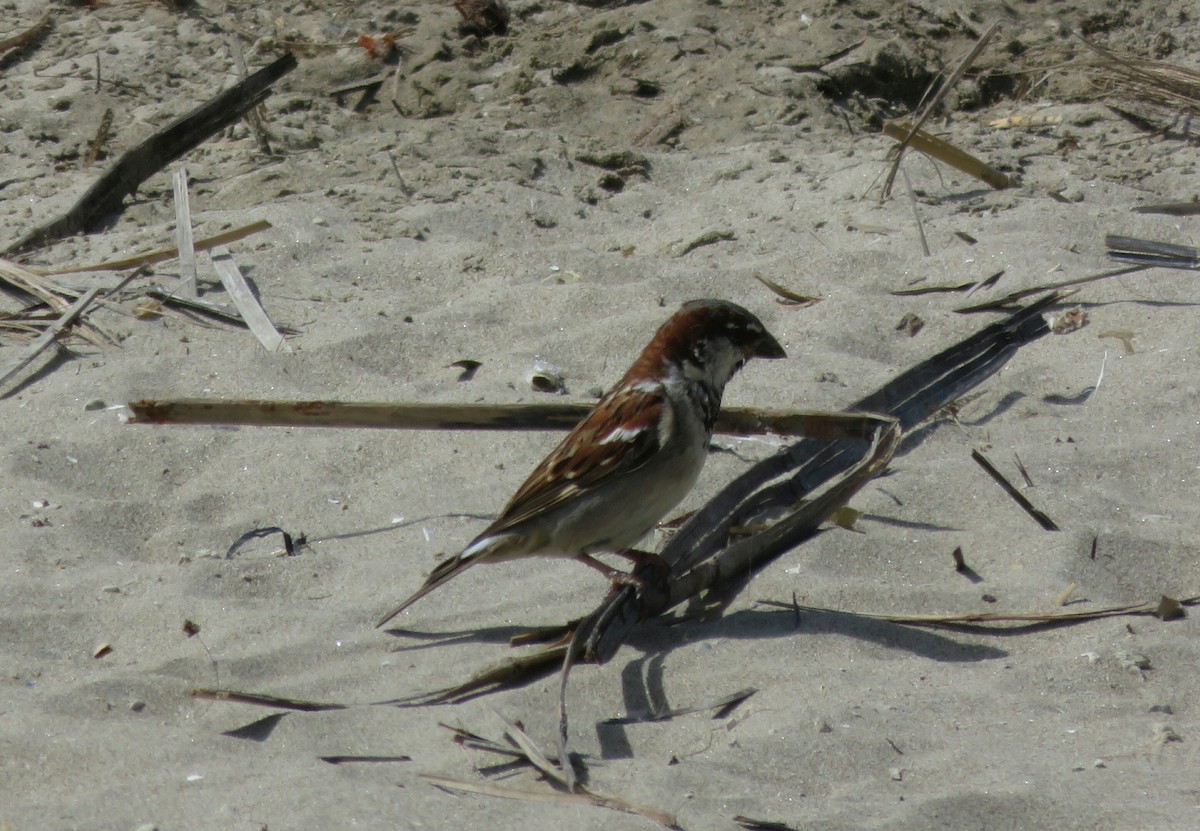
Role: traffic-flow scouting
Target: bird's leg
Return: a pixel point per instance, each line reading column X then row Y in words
column 649, row 559
column 613, row 574
column 653, row 587
column 655, row 564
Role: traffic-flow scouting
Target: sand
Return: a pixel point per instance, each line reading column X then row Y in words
column 470, row 221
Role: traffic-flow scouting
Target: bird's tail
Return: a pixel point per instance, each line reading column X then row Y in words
column 447, row 570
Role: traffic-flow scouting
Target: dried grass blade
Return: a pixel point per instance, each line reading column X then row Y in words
column 535, row 756
column 1016, row 296
column 32, row 284
column 21, row 41
column 251, row 311
column 927, row 110
column 183, row 233
column 163, row 254
column 752, row 824
column 944, row 151
column 979, row 619
column 786, row 295
column 1163, row 84
column 265, row 700
column 581, row 797
column 723, row 705
column 507, row 675
column 922, row 290
column 1151, row 253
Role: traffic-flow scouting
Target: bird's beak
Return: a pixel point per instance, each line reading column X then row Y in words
column 768, row 347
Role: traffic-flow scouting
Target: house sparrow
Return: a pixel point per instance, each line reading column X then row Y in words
column 632, row 459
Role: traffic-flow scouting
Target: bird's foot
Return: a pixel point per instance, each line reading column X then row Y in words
column 648, row 568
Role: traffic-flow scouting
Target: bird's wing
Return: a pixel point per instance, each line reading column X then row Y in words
column 624, row 431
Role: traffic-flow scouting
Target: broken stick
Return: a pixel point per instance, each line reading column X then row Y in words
column 105, row 196
column 741, row 421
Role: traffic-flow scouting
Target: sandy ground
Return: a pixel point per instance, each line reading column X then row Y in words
column 469, row 220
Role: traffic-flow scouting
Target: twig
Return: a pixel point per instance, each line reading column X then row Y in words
column 580, row 797
column 253, row 117
column 12, row 48
column 1039, row 516
column 49, row 336
column 247, row 304
column 916, row 209
column 732, row 420
column 163, row 254
column 105, row 196
column 707, row 238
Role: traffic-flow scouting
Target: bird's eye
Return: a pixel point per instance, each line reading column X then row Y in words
column 739, row 365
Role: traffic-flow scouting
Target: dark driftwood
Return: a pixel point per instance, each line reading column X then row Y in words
column 700, row 554
column 105, row 196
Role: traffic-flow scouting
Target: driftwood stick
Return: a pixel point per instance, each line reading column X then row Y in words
column 48, row 337
column 740, row 421
column 105, row 196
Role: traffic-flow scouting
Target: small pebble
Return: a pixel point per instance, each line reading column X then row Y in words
column 822, row 726
column 94, row 404
column 1099, row 763
column 150, row 826
column 896, row 774
column 137, row 706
